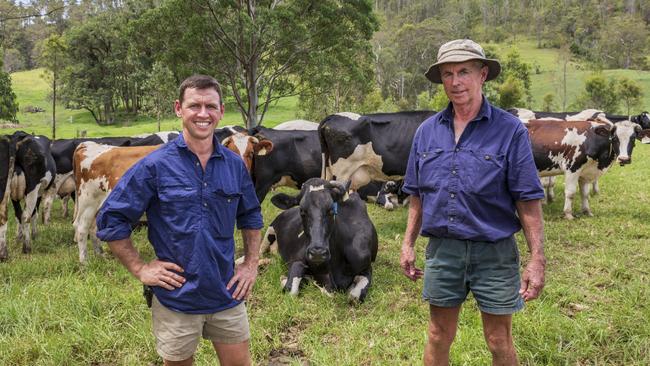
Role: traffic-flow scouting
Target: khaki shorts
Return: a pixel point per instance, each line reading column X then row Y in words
column 177, row 334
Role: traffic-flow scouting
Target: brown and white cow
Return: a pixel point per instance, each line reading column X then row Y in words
column 98, row 168
column 582, row 151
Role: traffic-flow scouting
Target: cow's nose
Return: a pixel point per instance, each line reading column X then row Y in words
column 318, row 254
column 624, row 160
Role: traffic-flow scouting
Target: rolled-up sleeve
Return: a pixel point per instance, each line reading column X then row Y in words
column 411, row 177
column 126, row 203
column 249, row 212
column 523, row 181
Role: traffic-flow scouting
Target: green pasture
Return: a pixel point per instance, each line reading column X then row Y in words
column 594, row 309
column 33, row 90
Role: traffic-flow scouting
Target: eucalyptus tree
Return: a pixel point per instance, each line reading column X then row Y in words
column 262, row 50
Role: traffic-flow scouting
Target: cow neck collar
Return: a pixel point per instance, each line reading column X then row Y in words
column 216, row 151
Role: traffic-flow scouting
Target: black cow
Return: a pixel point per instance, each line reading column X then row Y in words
column 329, row 237
column 296, row 157
column 370, row 147
column 33, row 176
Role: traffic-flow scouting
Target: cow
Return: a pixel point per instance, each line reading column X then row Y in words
column 642, row 119
column 97, row 168
column 296, row 157
column 369, row 147
column 328, row 236
column 7, row 162
column 62, row 152
column 33, row 176
column 387, row 194
column 581, row 150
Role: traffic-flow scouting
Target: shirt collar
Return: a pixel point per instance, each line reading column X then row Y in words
column 485, row 113
column 216, row 152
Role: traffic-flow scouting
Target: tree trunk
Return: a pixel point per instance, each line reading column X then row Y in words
column 54, row 106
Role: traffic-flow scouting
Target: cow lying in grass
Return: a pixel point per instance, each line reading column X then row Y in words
column 325, row 233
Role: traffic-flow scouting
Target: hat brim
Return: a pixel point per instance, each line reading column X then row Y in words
column 433, row 74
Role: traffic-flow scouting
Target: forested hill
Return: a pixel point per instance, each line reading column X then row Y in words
column 122, row 58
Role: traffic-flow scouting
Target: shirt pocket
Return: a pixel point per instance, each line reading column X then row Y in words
column 485, row 173
column 223, row 211
column 177, row 206
column 430, row 170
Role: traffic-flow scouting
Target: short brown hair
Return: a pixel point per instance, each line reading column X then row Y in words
column 198, row 81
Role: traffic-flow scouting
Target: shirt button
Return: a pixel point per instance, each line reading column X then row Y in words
column 205, row 184
column 453, row 172
column 205, row 204
column 456, row 149
column 451, row 219
column 452, row 195
column 197, row 163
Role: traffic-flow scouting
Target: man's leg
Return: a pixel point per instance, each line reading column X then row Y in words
column 187, row 362
column 497, row 330
column 442, row 330
column 233, row 354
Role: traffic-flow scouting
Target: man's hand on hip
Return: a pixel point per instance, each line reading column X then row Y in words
column 159, row 273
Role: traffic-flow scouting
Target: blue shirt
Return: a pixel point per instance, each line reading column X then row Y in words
column 191, row 215
column 468, row 190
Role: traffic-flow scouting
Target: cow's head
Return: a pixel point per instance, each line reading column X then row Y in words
column 247, row 147
column 642, row 119
column 387, row 195
column 319, row 202
column 624, row 136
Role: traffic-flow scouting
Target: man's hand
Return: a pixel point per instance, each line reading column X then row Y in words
column 407, row 262
column 532, row 280
column 159, row 273
column 245, row 275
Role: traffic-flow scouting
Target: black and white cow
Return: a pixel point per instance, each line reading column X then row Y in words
column 328, row 237
column 7, row 162
column 582, row 151
column 369, row 147
column 33, row 175
column 387, row 194
column 296, row 157
column 642, row 119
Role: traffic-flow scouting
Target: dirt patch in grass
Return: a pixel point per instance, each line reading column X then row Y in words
column 289, row 352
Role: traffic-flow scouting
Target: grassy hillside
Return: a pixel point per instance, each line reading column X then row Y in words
column 32, row 90
column 550, row 78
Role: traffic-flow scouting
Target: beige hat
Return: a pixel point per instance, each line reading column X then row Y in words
column 461, row 50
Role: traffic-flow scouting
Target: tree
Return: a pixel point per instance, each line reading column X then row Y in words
column 511, row 93
column 622, row 42
column 630, row 93
column 262, row 50
column 52, row 58
column 600, row 93
column 161, row 89
column 8, row 103
column 548, row 102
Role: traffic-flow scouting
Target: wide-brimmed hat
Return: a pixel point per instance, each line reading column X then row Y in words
column 461, row 50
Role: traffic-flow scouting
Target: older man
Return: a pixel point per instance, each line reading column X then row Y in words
column 473, row 185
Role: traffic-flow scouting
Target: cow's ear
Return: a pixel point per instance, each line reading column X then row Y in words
column 284, row 201
column 644, row 136
column 263, row 147
column 603, row 130
column 339, row 190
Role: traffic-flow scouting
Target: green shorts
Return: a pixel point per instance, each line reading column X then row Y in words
column 178, row 334
column 490, row 270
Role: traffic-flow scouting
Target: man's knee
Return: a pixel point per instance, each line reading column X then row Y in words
column 499, row 342
column 440, row 336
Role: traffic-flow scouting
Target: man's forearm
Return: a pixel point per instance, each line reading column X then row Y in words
column 128, row 255
column 251, row 238
column 414, row 222
column 532, row 221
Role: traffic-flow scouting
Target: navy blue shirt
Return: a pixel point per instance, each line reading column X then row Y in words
column 191, row 215
column 469, row 189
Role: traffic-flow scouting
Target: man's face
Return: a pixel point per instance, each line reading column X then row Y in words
column 463, row 81
column 200, row 111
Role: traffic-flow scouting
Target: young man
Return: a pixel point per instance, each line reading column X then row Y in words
column 473, row 185
column 193, row 191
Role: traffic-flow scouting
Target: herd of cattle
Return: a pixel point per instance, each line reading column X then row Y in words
column 329, row 236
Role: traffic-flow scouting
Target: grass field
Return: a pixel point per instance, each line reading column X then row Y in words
column 594, row 310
